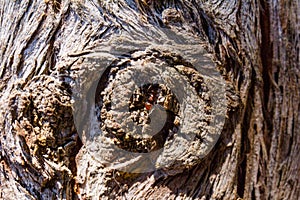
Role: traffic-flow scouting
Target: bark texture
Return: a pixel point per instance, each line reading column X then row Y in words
column 48, row 46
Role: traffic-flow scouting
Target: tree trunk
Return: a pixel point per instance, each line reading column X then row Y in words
column 53, row 54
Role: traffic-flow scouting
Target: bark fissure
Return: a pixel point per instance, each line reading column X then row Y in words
column 46, row 47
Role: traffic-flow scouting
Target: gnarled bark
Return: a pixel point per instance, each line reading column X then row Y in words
column 50, row 55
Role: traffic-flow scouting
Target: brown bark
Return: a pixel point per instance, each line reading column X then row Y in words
column 46, row 46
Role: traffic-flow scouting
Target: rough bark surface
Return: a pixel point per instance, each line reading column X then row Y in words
column 47, row 46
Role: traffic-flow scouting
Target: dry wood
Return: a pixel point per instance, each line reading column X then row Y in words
column 47, row 47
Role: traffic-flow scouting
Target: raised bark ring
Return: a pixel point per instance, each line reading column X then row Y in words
column 153, row 104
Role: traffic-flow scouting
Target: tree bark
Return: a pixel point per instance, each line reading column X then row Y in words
column 48, row 47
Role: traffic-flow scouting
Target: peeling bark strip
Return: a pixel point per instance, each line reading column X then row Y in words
column 46, row 49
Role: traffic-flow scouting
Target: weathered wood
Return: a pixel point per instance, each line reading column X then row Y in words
column 48, row 47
